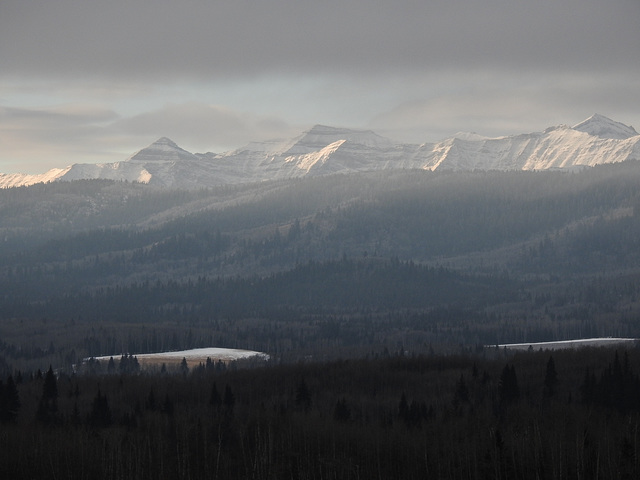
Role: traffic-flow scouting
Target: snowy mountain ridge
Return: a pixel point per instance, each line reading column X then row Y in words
column 327, row 150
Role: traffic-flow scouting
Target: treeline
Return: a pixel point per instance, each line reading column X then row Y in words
column 494, row 415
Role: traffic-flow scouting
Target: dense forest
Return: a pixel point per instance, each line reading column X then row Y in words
column 328, row 267
column 490, row 415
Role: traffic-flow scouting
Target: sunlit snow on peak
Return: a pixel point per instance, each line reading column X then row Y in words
column 603, row 127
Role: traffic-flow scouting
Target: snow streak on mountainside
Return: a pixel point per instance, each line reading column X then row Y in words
column 326, row 150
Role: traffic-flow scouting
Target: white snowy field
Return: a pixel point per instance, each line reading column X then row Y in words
column 193, row 357
column 567, row 344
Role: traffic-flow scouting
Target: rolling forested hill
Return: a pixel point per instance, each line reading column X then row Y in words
column 469, row 258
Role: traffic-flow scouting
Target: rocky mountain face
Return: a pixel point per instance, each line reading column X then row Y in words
column 326, row 150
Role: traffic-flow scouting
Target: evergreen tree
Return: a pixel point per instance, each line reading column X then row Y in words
column 48, row 407
column 167, row 406
column 214, row 398
column 509, row 390
column 123, row 366
column 150, row 403
column 9, row 401
column 50, row 386
column 550, row 379
column 100, row 415
column 303, row 396
column 229, row 399
column 111, row 367
column 462, row 392
column 184, row 367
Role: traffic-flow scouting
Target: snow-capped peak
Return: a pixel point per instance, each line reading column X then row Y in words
column 603, row 127
column 164, row 141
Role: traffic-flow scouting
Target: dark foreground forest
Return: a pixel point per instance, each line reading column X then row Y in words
column 493, row 415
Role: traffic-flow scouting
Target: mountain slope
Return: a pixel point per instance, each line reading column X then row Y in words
column 603, row 127
column 327, row 150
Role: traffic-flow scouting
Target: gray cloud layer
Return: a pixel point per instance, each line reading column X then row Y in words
column 215, row 38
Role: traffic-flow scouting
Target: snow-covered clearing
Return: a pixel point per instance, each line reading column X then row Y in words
column 566, row 344
column 193, row 357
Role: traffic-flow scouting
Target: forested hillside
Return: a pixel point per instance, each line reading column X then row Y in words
column 413, row 215
column 307, row 266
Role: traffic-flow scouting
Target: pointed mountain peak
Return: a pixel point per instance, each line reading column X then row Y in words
column 163, row 149
column 603, row 127
column 165, row 141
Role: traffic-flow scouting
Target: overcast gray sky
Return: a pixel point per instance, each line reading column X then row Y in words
column 84, row 81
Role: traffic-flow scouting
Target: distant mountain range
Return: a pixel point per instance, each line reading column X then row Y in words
column 327, row 150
